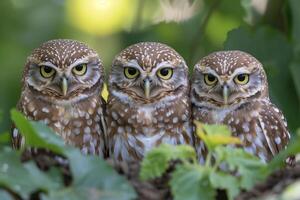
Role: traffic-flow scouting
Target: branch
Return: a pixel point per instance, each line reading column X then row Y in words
column 199, row 34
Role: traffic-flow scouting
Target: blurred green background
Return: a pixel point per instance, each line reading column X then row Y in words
column 268, row 29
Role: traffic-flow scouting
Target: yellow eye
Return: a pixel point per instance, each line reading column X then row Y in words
column 80, row 70
column 46, row 71
column 165, row 73
column 131, row 72
column 241, row 79
column 210, row 79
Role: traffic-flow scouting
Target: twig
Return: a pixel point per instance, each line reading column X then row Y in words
column 199, row 34
column 139, row 15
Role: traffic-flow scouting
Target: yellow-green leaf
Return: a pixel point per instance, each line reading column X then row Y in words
column 215, row 135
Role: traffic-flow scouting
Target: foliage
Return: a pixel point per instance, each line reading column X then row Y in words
column 272, row 35
column 92, row 178
column 226, row 167
column 215, row 135
column 157, row 161
column 4, row 138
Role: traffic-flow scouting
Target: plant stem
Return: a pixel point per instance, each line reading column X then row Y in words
column 139, row 15
column 208, row 160
column 199, row 34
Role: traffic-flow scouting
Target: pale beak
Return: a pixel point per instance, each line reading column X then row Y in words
column 64, row 86
column 147, row 87
column 225, row 94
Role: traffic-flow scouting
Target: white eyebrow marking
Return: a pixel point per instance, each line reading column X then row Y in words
column 84, row 60
column 48, row 64
column 161, row 65
column 209, row 70
column 164, row 64
column 131, row 63
column 240, row 70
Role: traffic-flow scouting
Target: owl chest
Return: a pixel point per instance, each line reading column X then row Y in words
column 134, row 120
column 61, row 118
column 209, row 116
column 146, row 120
column 227, row 115
column 136, row 130
column 70, row 122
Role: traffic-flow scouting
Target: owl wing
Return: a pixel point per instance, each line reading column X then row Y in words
column 274, row 127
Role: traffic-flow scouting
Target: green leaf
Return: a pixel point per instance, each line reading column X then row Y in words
column 275, row 61
column 69, row 193
column 225, row 181
column 24, row 178
column 91, row 193
column 156, row 161
column 218, row 26
column 1, row 115
column 215, row 135
column 37, row 134
column 93, row 176
column 295, row 11
column 215, row 129
column 191, row 182
column 295, row 71
column 249, row 167
column 5, row 195
column 4, row 138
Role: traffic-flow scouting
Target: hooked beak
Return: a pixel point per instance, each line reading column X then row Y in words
column 147, row 88
column 64, row 86
column 225, row 94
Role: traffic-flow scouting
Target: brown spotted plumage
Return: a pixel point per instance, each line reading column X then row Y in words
column 148, row 103
column 61, row 87
column 230, row 87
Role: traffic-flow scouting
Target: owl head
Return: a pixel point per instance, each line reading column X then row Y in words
column 62, row 71
column 147, row 72
column 228, row 77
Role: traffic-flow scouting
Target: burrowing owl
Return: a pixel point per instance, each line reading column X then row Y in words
column 230, row 87
column 148, row 103
column 61, row 87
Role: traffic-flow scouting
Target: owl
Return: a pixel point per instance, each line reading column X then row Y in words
column 231, row 88
column 61, row 87
column 148, row 103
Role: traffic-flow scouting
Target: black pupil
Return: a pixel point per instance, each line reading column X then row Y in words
column 47, row 69
column 131, row 71
column 241, row 77
column 79, row 67
column 164, row 72
column 211, row 78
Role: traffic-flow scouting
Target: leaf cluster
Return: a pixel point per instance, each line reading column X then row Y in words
column 92, row 177
column 226, row 167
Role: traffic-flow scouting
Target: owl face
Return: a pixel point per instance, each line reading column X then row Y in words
column 147, row 72
column 228, row 77
column 63, row 70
